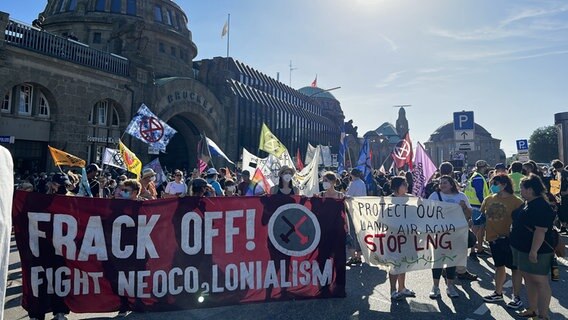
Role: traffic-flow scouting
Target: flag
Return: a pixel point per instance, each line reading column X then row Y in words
column 84, row 187
column 423, row 170
column 133, row 164
column 382, row 169
column 157, row 167
column 112, row 157
column 310, row 153
column 325, row 155
column 203, row 153
column 402, row 152
column 62, row 158
column 258, row 184
column 342, row 148
column 307, row 180
column 214, row 150
column 299, row 163
column 365, row 165
column 149, row 129
column 315, row 82
column 269, row 142
column 225, row 29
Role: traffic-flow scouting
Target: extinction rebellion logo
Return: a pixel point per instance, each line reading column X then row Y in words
column 294, row 230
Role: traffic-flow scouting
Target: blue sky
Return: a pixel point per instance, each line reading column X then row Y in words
column 505, row 60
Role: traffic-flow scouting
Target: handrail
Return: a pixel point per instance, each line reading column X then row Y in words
column 28, row 37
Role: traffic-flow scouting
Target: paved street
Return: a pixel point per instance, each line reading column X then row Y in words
column 367, row 298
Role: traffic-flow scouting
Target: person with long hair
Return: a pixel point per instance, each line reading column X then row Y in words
column 449, row 192
column 531, row 242
column 285, row 185
column 498, row 208
column 399, row 187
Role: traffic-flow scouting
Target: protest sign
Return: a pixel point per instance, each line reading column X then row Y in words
column 408, row 233
column 98, row 254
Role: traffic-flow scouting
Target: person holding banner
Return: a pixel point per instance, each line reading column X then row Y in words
column 498, row 208
column 448, row 192
column 285, row 182
column 176, row 188
column 148, row 190
column 399, row 186
column 531, row 242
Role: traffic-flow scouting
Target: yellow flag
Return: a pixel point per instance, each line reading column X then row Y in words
column 269, row 142
column 133, row 164
column 62, row 158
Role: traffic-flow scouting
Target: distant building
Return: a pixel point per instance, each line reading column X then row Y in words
column 442, row 146
column 561, row 122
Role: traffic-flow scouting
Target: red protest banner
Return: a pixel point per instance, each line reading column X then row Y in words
column 96, row 255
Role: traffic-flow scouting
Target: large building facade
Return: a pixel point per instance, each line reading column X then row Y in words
column 79, row 95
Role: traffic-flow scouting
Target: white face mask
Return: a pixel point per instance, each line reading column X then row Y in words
column 326, row 185
column 231, row 189
column 153, row 179
column 287, row 177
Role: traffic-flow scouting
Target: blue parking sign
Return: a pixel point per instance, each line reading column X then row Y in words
column 463, row 120
column 522, row 145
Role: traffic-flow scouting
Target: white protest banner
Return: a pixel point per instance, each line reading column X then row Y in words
column 307, row 180
column 408, row 233
column 112, row 157
column 310, row 151
column 325, row 156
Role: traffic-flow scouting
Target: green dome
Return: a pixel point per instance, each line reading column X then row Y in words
column 316, row 92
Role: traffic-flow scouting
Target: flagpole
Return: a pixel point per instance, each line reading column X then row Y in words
column 228, row 32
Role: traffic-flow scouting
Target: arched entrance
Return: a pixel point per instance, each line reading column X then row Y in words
column 182, row 149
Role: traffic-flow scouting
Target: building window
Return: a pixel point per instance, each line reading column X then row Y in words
column 97, row 37
column 115, row 121
column 25, row 103
column 158, row 13
column 6, row 103
column 116, row 6
column 131, row 7
column 179, row 22
column 162, row 47
column 43, row 109
column 100, row 5
column 60, row 6
column 173, row 51
column 169, row 19
column 72, row 5
column 102, row 111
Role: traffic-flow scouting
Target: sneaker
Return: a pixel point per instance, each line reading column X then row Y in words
column 516, row 303
column 396, row 296
column 467, row 276
column 527, row 313
column 452, row 292
column 408, row 293
column 435, row 293
column 494, row 297
column 60, row 316
column 473, row 256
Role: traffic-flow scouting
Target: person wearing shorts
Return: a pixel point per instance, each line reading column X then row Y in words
column 531, row 239
column 498, row 209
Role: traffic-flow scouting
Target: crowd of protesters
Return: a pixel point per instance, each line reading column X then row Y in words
column 510, row 210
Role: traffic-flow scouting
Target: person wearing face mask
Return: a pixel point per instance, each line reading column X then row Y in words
column 285, row 185
column 130, row 190
column 498, row 208
column 329, row 179
column 148, row 190
column 230, row 188
column 212, row 176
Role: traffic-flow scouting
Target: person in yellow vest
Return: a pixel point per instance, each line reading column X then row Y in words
column 477, row 190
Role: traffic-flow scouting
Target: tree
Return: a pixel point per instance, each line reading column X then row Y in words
column 543, row 144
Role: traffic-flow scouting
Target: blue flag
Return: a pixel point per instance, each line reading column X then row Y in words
column 146, row 127
column 365, row 165
column 84, row 187
column 341, row 154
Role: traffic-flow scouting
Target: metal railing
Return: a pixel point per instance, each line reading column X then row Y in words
column 28, row 37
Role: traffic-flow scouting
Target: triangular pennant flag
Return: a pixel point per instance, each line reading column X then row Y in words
column 133, row 164
column 149, row 129
column 269, row 142
column 62, row 158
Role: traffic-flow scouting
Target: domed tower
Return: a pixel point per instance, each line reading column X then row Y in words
column 150, row 33
column 330, row 106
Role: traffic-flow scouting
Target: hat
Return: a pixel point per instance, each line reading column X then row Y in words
column 500, row 166
column 356, row 172
column 60, row 178
column 148, row 172
column 285, row 168
column 92, row 167
column 481, row 163
column 199, row 182
column 212, row 171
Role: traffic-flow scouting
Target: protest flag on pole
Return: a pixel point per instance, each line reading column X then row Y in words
column 269, row 142
column 423, row 170
column 214, row 150
column 133, row 164
column 341, row 154
column 203, row 153
column 112, row 157
column 299, row 164
column 257, row 181
column 148, row 128
column 62, row 158
column 402, row 152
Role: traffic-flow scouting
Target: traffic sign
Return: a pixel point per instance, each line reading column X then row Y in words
column 7, row 139
column 463, row 135
column 522, row 146
column 465, row 146
column 464, row 120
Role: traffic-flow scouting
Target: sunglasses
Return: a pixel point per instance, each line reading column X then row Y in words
column 127, row 190
column 179, row 175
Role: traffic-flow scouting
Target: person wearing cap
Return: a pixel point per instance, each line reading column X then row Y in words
column 148, row 191
column 230, row 188
column 476, row 191
column 285, row 185
column 211, row 177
